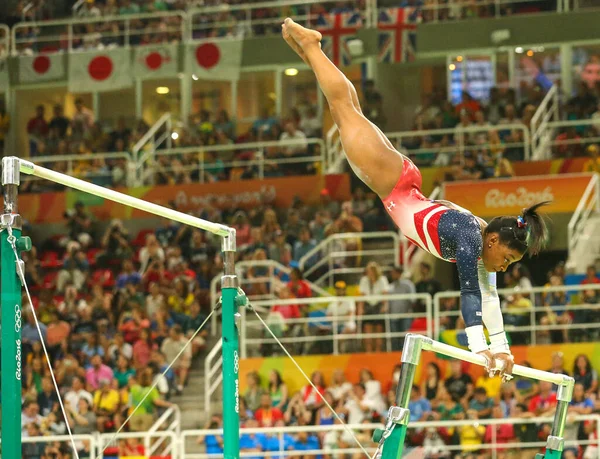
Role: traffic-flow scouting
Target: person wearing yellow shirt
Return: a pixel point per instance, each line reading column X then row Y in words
column 491, row 385
column 471, row 436
column 106, row 406
column 592, row 164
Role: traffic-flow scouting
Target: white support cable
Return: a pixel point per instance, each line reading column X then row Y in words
column 21, row 272
column 299, row 368
column 12, row 241
column 189, row 341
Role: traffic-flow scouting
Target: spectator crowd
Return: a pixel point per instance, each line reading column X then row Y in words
column 457, row 395
column 83, row 135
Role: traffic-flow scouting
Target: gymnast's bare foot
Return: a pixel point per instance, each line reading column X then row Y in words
column 300, row 38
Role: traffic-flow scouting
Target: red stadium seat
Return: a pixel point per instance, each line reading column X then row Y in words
column 50, row 260
column 50, row 279
column 91, row 256
column 104, row 277
column 140, row 239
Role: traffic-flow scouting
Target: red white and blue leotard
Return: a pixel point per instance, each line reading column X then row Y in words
column 450, row 234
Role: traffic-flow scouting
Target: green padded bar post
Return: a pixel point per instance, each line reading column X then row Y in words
column 231, row 353
column 11, row 320
column 394, row 444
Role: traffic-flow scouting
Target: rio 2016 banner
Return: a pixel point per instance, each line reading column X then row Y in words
column 491, row 198
column 277, row 192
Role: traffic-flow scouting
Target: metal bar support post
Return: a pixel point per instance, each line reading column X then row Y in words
column 231, row 300
column 11, row 315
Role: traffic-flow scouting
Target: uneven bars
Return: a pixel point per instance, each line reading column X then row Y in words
column 451, row 351
column 30, row 168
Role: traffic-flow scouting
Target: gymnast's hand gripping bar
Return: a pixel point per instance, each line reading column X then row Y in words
column 440, row 348
column 30, row 168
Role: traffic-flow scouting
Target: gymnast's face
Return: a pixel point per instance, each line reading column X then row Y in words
column 497, row 256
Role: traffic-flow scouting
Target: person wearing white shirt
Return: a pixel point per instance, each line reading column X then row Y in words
column 357, row 409
column 298, row 137
column 373, row 283
column 339, row 387
column 344, row 312
column 76, row 393
column 311, row 124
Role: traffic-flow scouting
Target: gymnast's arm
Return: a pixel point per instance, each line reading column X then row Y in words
column 492, row 315
column 467, row 254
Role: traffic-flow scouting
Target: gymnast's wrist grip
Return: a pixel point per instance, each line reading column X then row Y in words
column 476, row 339
column 499, row 343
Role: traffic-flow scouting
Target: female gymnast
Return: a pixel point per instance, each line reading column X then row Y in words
column 442, row 228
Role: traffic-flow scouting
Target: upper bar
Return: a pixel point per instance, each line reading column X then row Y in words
column 451, row 351
column 29, row 168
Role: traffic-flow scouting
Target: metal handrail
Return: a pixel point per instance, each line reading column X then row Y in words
column 271, row 279
column 73, row 22
column 547, row 110
column 493, row 446
column 335, row 335
column 324, row 248
column 259, row 148
column 583, row 211
column 457, row 132
column 210, row 370
column 148, row 136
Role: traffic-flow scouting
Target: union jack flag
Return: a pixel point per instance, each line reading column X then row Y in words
column 398, row 34
column 337, row 29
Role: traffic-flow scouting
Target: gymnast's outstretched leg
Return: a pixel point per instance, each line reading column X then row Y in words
column 369, row 151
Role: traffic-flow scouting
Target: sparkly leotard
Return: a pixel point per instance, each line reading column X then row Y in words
column 450, row 234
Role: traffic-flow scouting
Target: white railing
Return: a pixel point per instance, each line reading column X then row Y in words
column 169, row 442
column 331, row 255
column 541, row 135
column 77, row 6
column 466, row 139
column 301, row 333
column 231, row 20
column 586, row 133
column 439, row 10
column 90, row 33
column 408, row 250
column 588, row 204
column 271, row 273
column 585, row 316
column 144, row 150
column 497, row 449
column 91, row 440
column 242, row 20
column 266, row 154
column 93, row 167
column 169, row 421
column 213, row 375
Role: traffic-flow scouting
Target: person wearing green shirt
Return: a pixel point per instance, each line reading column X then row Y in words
column 143, row 418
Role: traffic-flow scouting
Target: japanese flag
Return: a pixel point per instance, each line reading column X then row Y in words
column 155, row 61
column 100, row 71
column 43, row 67
column 216, row 60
